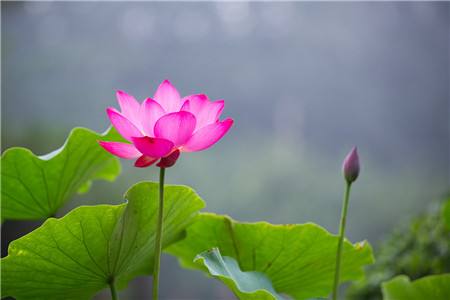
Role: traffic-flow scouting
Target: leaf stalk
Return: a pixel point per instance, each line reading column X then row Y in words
column 112, row 287
column 341, row 239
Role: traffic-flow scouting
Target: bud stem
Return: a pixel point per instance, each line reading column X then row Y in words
column 341, row 239
column 158, row 240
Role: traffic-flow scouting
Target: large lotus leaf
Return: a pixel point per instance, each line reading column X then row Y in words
column 299, row 260
column 433, row 287
column 35, row 187
column 76, row 256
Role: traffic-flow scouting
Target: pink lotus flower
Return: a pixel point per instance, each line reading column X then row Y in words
column 163, row 127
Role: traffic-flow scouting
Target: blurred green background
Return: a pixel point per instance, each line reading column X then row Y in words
column 303, row 81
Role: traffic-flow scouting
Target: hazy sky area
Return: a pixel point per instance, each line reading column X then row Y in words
column 304, row 82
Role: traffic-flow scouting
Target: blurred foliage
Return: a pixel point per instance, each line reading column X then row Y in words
column 436, row 287
column 446, row 214
column 417, row 249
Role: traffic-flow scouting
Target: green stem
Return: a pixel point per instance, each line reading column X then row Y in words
column 341, row 240
column 112, row 287
column 158, row 239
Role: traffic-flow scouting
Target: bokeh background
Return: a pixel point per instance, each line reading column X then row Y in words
column 303, row 81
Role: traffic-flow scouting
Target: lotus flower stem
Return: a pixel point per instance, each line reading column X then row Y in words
column 341, row 240
column 158, row 239
column 350, row 170
column 112, row 287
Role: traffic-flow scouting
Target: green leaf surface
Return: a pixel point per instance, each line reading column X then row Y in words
column 433, row 287
column 246, row 285
column 35, row 187
column 76, row 256
column 299, row 260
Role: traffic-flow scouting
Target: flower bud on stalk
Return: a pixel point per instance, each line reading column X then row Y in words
column 350, row 167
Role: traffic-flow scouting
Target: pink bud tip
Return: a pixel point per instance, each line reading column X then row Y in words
column 350, row 167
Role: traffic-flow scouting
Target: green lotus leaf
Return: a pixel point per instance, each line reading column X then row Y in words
column 35, row 187
column 79, row 254
column 433, row 287
column 296, row 260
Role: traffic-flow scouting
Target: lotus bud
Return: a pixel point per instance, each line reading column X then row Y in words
column 350, row 167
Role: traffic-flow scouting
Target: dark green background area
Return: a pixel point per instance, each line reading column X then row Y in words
column 303, row 81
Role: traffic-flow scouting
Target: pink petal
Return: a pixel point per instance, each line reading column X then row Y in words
column 144, row 161
column 197, row 101
column 129, row 106
column 122, row 150
column 154, row 147
column 207, row 136
column 213, row 113
column 168, row 96
column 205, row 111
column 123, row 125
column 176, row 127
column 169, row 160
column 151, row 111
column 185, row 106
